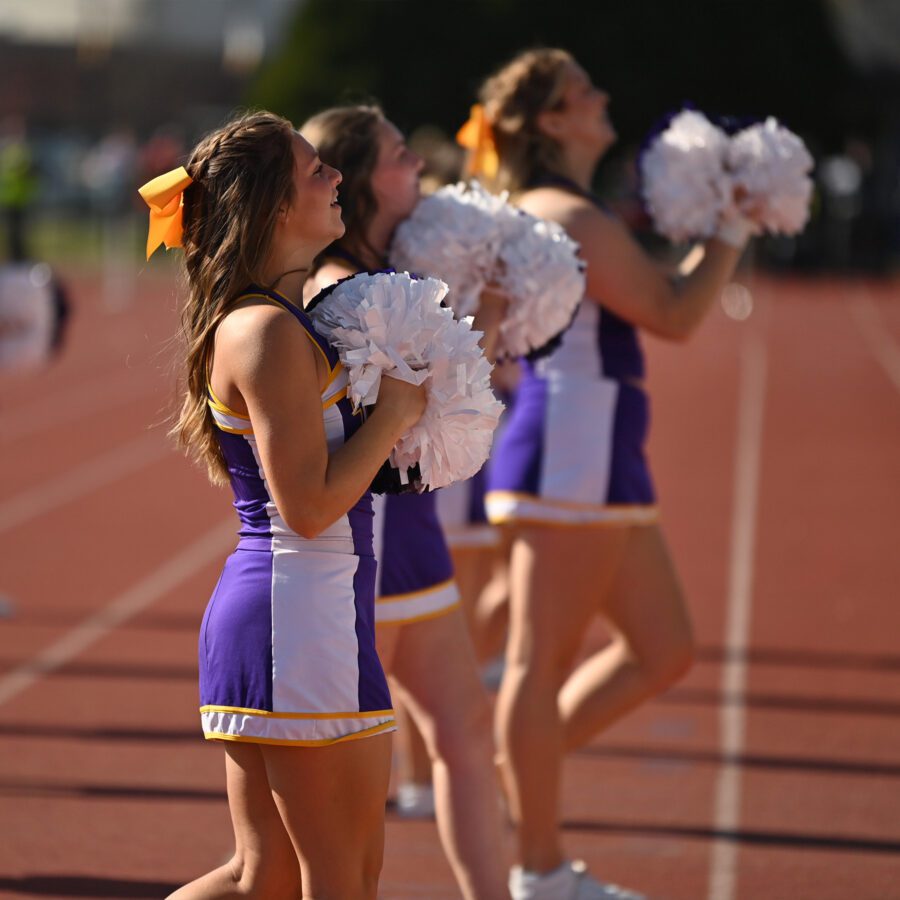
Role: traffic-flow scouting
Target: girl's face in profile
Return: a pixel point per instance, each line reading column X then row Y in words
column 582, row 116
column 395, row 178
column 313, row 217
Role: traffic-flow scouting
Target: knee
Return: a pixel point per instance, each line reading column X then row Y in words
column 668, row 666
column 539, row 661
column 350, row 882
column 465, row 740
column 266, row 878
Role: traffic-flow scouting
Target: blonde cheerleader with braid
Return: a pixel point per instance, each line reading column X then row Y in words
column 569, row 479
column 290, row 683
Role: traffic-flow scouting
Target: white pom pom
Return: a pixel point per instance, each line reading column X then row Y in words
column 471, row 238
column 540, row 270
column 394, row 323
column 27, row 316
column 452, row 234
column 771, row 166
column 685, row 184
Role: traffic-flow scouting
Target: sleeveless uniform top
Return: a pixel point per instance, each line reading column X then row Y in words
column 573, row 451
column 598, row 343
column 262, row 526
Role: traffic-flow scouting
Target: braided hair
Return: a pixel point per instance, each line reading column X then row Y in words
column 242, row 173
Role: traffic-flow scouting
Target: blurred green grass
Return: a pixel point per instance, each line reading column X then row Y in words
column 89, row 242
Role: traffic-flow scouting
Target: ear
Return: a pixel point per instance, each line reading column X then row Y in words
column 549, row 123
column 283, row 215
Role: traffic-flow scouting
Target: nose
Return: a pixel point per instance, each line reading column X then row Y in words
column 336, row 175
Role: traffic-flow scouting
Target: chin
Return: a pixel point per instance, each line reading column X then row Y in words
column 607, row 139
column 337, row 233
column 339, row 227
column 405, row 210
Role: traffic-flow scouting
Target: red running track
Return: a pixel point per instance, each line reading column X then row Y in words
column 772, row 771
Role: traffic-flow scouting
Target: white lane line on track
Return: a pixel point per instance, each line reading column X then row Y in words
column 106, row 393
column 94, row 474
column 211, row 546
column 732, row 717
column 881, row 342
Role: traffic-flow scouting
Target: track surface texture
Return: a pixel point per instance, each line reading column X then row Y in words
column 772, row 771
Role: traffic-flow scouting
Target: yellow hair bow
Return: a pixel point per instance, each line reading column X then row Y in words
column 477, row 136
column 164, row 196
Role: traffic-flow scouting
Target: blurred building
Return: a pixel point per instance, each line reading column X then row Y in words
column 86, row 65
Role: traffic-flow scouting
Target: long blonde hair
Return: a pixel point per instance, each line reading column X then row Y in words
column 513, row 98
column 241, row 174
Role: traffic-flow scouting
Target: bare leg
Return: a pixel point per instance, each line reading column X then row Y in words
column 331, row 800
column 472, row 573
column 436, row 674
column 492, row 610
column 414, row 762
column 653, row 645
column 558, row 577
column 264, row 864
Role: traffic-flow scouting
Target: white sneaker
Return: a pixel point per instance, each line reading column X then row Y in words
column 415, row 801
column 569, row 882
column 590, row 889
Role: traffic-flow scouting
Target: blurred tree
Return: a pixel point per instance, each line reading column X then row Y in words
column 748, row 58
column 424, row 61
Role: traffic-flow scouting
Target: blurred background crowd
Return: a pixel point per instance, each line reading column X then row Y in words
column 97, row 96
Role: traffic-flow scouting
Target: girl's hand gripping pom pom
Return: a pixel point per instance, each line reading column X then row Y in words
column 406, row 401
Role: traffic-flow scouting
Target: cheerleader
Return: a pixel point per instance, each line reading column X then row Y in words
column 569, row 478
column 422, row 636
column 290, row 682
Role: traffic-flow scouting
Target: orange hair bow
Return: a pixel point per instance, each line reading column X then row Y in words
column 164, row 196
column 477, row 136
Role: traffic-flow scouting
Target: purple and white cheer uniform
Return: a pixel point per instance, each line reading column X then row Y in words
column 573, row 450
column 415, row 572
column 287, row 644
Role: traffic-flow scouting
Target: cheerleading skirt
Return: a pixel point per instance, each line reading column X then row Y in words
column 573, row 454
column 287, row 647
column 415, row 572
